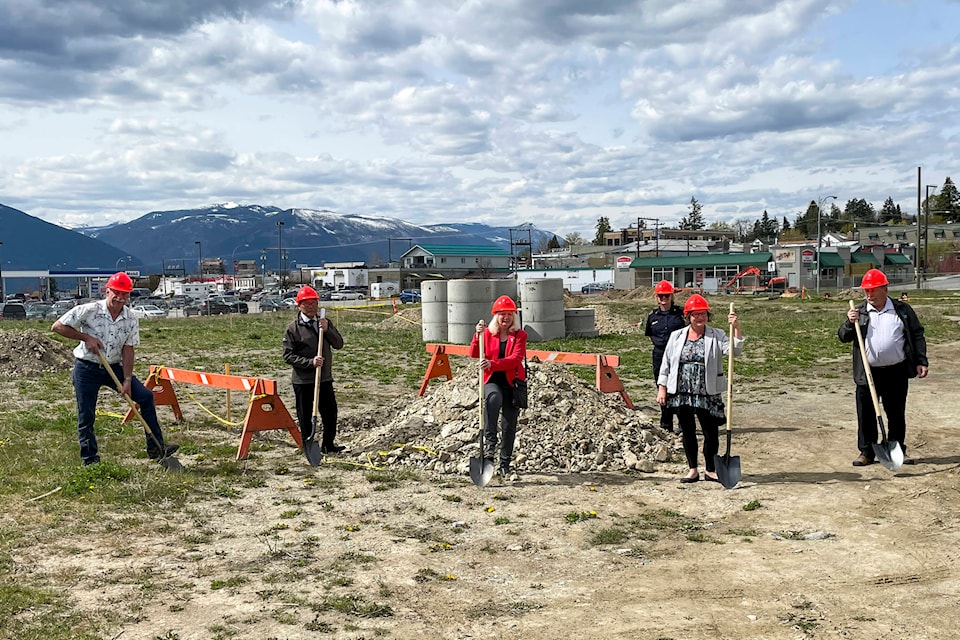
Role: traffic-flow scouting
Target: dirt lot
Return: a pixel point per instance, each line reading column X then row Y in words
column 823, row 549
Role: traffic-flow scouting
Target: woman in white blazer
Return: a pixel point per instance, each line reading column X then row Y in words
column 692, row 379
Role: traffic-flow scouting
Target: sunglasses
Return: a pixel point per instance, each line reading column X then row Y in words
column 663, row 295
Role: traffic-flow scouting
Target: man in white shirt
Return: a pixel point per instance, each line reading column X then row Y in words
column 108, row 327
column 896, row 350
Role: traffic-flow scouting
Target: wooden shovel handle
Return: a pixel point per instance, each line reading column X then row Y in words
column 316, row 374
column 866, row 364
column 730, row 378
column 116, row 381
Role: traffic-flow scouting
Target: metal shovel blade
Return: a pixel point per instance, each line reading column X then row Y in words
column 728, row 470
column 170, row 464
column 311, row 448
column 481, row 471
column 888, row 452
column 728, row 467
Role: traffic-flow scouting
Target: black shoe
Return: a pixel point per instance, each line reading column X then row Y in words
column 168, row 451
column 335, row 448
column 87, row 463
column 686, row 480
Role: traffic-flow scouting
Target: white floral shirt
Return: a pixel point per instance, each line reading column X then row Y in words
column 94, row 319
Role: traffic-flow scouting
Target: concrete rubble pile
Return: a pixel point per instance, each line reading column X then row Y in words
column 569, row 427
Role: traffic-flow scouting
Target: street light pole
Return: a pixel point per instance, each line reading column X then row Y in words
column 280, row 250
column 820, row 236
column 200, row 258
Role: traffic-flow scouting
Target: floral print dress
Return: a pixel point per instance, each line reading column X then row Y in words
column 692, row 384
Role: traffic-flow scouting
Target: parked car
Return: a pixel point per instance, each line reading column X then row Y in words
column 37, row 309
column 346, row 294
column 13, row 311
column 207, row 308
column 60, row 308
column 410, row 295
column 272, row 304
column 236, row 305
column 596, row 287
column 148, row 311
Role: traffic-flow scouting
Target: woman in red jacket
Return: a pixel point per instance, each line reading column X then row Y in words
column 504, row 350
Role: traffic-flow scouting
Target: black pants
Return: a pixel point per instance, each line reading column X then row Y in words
column 711, row 438
column 666, row 413
column 498, row 406
column 327, row 408
column 891, row 383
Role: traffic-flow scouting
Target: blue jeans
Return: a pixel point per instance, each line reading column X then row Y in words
column 88, row 377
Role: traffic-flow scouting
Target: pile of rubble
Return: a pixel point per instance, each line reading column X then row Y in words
column 569, row 427
column 406, row 319
column 30, row 353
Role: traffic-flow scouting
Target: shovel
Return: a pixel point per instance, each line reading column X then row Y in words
column 310, row 447
column 167, row 462
column 481, row 470
column 728, row 467
column 887, row 452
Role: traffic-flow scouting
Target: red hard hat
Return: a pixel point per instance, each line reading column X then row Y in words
column 120, row 282
column 306, row 293
column 663, row 287
column 873, row 279
column 504, row 303
column 696, row 302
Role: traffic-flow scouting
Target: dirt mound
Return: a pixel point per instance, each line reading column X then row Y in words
column 29, row 353
column 408, row 319
column 569, row 427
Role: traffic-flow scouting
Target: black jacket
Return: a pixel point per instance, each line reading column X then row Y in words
column 660, row 324
column 914, row 349
column 300, row 347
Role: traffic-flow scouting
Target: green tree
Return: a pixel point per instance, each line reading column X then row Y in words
column 603, row 226
column 720, row 226
column 694, row 220
column 948, row 201
column 890, row 212
column 554, row 243
column 785, row 225
column 768, row 227
column 860, row 210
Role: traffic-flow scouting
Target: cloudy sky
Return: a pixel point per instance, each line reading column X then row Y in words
column 554, row 112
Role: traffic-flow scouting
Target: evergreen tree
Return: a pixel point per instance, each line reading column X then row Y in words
column 785, row 225
column 554, row 243
column 948, row 201
column 603, row 226
column 889, row 212
column 860, row 210
column 694, row 220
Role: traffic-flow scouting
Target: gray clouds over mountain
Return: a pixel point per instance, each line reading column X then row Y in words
column 553, row 112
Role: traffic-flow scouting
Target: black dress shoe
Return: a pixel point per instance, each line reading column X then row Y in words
column 336, row 448
column 686, row 480
column 168, row 451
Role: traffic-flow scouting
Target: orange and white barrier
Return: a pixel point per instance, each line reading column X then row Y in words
column 607, row 379
column 265, row 411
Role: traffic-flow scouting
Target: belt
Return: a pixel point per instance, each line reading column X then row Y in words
column 90, row 363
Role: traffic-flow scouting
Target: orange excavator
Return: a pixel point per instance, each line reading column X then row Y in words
column 776, row 284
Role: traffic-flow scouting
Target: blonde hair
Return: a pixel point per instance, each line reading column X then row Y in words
column 494, row 326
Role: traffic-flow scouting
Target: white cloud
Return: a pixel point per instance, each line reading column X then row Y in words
column 554, row 112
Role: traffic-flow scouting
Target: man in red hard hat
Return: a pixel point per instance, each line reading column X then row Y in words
column 896, row 351
column 666, row 318
column 300, row 342
column 107, row 326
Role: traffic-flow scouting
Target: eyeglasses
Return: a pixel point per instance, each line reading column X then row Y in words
column 664, row 295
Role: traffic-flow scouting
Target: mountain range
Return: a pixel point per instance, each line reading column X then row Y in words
column 179, row 239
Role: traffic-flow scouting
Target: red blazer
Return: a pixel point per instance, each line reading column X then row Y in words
column 511, row 363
